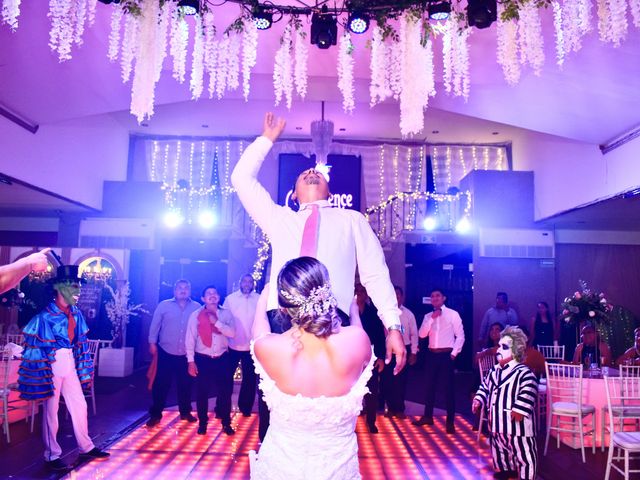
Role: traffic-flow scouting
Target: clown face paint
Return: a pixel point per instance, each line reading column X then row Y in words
column 505, row 350
column 69, row 291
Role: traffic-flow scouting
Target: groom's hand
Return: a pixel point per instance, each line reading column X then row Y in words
column 395, row 346
column 273, row 127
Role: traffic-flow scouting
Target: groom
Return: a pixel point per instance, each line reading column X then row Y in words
column 337, row 237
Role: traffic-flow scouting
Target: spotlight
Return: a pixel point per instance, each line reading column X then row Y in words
column 439, row 10
column 107, row 2
column 262, row 18
column 430, row 223
column 173, row 219
column 206, row 219
column 189, row 7
column 358, row 22
column 324, row 29
column 482, row 13
column 463, row 226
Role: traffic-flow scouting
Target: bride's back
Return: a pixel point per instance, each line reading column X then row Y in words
column 301, row 363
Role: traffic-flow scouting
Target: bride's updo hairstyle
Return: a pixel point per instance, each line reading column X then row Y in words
column 304, row 293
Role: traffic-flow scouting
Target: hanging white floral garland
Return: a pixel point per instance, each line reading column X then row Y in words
column 80, row 17
column 10, row 13
column 129, row 44
column 455, row 51
column 301, row 54
column 414, row 95
column 507, row 53
column 249, row 55
column 222, row 66
column 114, row 33
column 91, row 12
column 618, row 21
column 634, row 8
column 379, row 88
column 345, row 72
column 197, row 60
column 233, row 62
column 210, row 51
column 394, row 58
column 61, row 34
column 144, row 77
column 531, row 40
column 559, row 33
column 164, row 19
column 178, row 45
column 282, row 74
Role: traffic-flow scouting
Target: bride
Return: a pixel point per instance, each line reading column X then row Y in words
column 313, row 378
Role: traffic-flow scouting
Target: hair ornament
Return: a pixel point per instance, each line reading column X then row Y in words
column 319, row 302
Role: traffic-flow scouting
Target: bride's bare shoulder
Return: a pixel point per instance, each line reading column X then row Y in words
column 355, row 338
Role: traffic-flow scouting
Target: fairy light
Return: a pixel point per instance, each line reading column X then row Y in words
column 165, row 164
column 396, row 186
column 462, row 162
column 262, row 257
column 500, row 159
column 154, row 158
column 474, row 156
column 202, row 170
column 485, row 157
column 409, row 186
column 176, row 163
column 434, row 164
column 227, row 156
column 381, row 185
column 448, row 166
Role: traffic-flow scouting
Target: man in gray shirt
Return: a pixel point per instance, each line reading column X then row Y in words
column 166, row 341
column 502, row 313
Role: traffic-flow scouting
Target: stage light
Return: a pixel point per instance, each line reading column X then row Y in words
column 324, row 29
column 207, row 219
column 262, row 18
column 439, row 10
column 107, row 2
column 189, row 7
column 358, row 22
column 464, row 225
column 173, row 219
column 482, row 13
column 430, row 223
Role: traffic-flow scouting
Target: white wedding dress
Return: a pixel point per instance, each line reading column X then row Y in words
column 309, row 438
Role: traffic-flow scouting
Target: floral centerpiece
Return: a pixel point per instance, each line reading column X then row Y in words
column 585, row 305
column 119, row 310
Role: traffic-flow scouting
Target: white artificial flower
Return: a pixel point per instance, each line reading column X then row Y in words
column 379, row 88
column 80, row 18
column 301, row 53
column 61, row 34
column 114, row 33
column 557, row 24
column 249, row 55
column 144, row 76
column 592, row 313
column 345, row 72
column 10, row 13
column 507, row 54
column 634, row 8
column 178, row 45
column 282, row 69
column 164, row 19
column 129, row 44
column 197, row 60
column 531, row 40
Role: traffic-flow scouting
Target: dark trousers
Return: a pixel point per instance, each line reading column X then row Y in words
column 371, row 398
column 213, row 372
column 439, row 371
column 169, row 367
column 248, row 387
column 395, row 386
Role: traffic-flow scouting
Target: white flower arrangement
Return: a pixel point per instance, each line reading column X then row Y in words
column 91, row 12
column 80, row 19
column 197, row 60
column 531, row 40
column 210, row 51
column 282, row 74
column 178, row 45
column 634, row 8
column 233, row 62
column 301, row 54
column 10, row 13
column 222, row 66
column 415, row 76
column 618, row 21
column 119, row 310
column 507, row 54
column 345, row 72
column 394, row 58
column 144, row 77
column 61, row 34
column 249, row 55
column 114, row 33
column 379, row 88
column 129, row 43
column 166, row 13
column 604, row 20
column 559, row 33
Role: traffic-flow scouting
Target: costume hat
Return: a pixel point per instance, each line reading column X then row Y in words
column 67, row 273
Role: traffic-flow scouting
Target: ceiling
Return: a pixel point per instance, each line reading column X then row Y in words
column 594, row 98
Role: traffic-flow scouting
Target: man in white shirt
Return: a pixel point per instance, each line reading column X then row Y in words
column 344, row 236
column 242, row 306
column 395, row 386
column 443, row 326
column 206, row 343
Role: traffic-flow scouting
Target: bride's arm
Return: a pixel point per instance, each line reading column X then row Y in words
column 261, row 322
column 354, row 314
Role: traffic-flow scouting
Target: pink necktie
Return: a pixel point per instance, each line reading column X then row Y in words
column 309, row 246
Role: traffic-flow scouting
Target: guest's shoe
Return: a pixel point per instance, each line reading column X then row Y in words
column 153, row 421
column 228, row 430
column 505, row 475
column 189, row 418
column 423, row 421
column 202, row 429
column 451, row 428
column 372, row 428
column 95, row 452
column 57, row 465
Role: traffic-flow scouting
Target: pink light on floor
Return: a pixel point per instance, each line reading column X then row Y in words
column 173, row 451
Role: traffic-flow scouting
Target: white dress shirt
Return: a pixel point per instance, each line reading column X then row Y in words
column 444, row 331
column 243, row 310
column 345, row 238
column 219, row 344
column 410, row 335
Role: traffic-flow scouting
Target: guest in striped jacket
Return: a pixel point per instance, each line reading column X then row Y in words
column 509, row 393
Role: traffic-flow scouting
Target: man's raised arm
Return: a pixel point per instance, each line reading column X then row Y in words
column 244, row 178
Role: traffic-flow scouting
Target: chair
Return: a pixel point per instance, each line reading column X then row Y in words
column 564, row 387
column 5, row 391
column 16, row 338
column 622, row 413
column 552, row 353
column 630, row 370
column 485, row 364
column 622, row 393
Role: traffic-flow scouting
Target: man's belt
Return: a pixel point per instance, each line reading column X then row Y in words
column 204, row 355
column 441, row 350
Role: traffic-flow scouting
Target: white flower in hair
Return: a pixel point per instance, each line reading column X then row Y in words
column 319, row 302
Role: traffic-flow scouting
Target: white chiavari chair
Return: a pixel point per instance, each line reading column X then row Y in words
column 486, row 361
column 623, row 394
column 564, row 388
column 552, row 353
column 94, row 348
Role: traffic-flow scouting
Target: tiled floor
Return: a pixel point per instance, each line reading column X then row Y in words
column 173, row 451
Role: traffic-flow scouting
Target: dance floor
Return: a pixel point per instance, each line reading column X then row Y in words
column 173, row 451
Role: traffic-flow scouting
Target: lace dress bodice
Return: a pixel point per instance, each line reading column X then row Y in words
column 309, row 438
